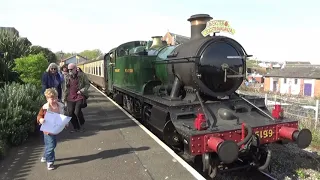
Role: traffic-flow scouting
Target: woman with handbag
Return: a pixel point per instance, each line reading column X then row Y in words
column 76, row 95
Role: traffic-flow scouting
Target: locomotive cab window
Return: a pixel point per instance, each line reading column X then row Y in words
column 124, row 49
column 165, row 52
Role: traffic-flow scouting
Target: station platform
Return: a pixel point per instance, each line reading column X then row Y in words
column 113, row 147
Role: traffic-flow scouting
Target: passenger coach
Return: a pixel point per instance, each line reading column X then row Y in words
column 95, row 71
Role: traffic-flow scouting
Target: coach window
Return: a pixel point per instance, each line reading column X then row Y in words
column 295, row 81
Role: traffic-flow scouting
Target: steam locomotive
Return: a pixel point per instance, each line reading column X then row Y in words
column 187, row 95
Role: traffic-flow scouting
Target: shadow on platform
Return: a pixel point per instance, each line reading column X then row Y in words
column 101, row 155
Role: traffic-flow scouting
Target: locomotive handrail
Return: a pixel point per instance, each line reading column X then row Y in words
column 254, row 106
column 174, row 62
column 182, row 58
column 209, row 123
column 177, row 60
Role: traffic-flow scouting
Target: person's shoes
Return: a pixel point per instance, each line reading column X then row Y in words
column 43, row 159
column 50, row 166
column 75, row 130
column 82, row 129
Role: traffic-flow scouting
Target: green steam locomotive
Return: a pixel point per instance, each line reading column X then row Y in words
column 186, row 94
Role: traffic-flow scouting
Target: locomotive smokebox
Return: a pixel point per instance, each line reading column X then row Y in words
column 198, row 23
column 212, row 65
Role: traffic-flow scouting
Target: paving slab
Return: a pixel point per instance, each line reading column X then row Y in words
column 113, row 147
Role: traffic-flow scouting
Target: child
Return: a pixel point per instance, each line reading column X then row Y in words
column 50, row 141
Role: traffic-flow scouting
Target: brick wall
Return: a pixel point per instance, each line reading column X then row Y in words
column 279, row 84
column 167, row 37
column 266, row 84
column 317, row 88
column 301, row 87
column 258, row 79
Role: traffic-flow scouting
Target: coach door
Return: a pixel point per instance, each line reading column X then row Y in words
column 110, row 65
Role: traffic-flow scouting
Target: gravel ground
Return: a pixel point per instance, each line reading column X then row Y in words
column 288, row 163
column 291, row 163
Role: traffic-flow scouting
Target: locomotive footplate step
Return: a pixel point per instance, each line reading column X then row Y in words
column 112, row 147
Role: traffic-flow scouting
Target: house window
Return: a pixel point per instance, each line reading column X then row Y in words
column 285, row 81
column 295, row 81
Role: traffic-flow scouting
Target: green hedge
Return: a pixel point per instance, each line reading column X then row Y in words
column 19, row 105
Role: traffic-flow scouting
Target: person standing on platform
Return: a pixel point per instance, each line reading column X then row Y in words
column 75, row 96
column 52, row 79
column 64, row 73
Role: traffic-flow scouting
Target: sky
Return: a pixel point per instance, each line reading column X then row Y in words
column 269, row 30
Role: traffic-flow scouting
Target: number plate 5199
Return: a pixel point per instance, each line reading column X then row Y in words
column 268, row 133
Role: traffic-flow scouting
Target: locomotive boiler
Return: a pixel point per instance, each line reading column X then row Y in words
column 214, row 66
column 186, row 94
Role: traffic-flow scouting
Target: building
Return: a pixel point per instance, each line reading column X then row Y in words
column 73, row 59
column 294, row 80
column 255, row 77
column 174, row 39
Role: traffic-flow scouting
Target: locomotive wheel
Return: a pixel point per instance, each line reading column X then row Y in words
column 209, row 165
column 170, row 134
column 109, row 94
column 145, row 115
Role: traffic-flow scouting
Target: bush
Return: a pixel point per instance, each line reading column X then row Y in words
column 31, row 68
column 19, row 105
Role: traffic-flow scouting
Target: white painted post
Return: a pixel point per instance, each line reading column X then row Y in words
column 316, row 115
column 266, row 99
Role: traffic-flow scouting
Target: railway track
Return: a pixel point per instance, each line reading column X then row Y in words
column 254, row 174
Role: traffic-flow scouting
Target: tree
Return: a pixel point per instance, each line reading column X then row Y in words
column 14, row 47
column 50, row 56
column 31, row 68
column 91, row 54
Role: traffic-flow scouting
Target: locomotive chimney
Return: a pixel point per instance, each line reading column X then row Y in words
column 198, row 24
